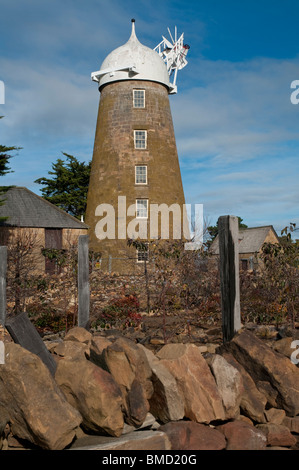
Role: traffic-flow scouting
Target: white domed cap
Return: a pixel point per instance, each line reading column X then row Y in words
column 132, row 61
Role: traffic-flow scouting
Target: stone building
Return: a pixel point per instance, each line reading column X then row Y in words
column 251, row 241
column 32, row 221
column 135, row 163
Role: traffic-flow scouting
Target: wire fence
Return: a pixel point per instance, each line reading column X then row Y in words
column 165, row 283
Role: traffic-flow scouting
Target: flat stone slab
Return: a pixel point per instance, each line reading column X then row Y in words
column 137, row 440
column 149, row 422
column 25, row 334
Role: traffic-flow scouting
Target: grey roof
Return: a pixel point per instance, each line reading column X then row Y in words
column 250, row 239
column 26, row 209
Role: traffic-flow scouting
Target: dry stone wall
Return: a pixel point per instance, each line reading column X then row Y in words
column 113, row 393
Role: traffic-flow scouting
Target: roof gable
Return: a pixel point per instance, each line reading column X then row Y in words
column 26, row 209
column 250, row 239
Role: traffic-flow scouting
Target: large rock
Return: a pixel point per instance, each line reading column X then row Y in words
column 292, row 424
column 243, row 436
column 277, row 434
column 116, row 362
column 264, row 364
column 229, row 383
column 202, row 401
column 253, row 402
column 94, row 393
column 166, row 403
column 284, row 346
column 139, row 364
column 71, row 349
column 269, row 392
column 37, row 410
column 128, row 365
column 126, row 362
column 187, row 435
column 78, row 334
column 149, row 423
column 97, row 345
column 137, row 405
column 275, row 416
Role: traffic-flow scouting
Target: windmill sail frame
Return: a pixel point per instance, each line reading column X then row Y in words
column 174, row 54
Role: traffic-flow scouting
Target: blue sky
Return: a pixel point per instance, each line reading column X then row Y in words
column 237, row 131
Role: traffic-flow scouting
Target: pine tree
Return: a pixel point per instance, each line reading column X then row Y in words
column 5, row 155
column 4, row 158
column 68, row 186
column 213, row 229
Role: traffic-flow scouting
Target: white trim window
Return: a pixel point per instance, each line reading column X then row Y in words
column 140, row 139
column 142, row 255
column 141, row 208
column 140, row 174
column 138, row 98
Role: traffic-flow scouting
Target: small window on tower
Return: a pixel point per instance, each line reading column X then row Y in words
column 140, row 174
column 141, row 208
column 140, row 139
column 138, row 98
column 142, row 255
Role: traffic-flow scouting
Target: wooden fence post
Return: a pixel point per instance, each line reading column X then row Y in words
column 3, row 269
column 83, row 282
column 228, row 233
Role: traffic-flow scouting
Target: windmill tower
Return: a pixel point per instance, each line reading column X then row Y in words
column 135, row 163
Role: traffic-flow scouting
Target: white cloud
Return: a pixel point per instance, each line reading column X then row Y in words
column 239, row 111
column 50, row 103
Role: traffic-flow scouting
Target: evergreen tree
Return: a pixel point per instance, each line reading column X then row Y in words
column 5, row 155
column 213, row 229
column 4, row 158
column 68, row 186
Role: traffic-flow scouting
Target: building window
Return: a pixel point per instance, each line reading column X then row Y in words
column 141, row 208
column 140, row 174
column 142, row 255
column 138, row 98
column 53, row 241
column 140, row 139
column 244, row 264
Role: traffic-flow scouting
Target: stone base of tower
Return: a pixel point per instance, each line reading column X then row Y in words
column 111, row 257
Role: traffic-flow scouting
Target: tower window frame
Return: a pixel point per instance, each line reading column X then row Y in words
column 140, row 139
column 141, row 208
column 138, row 98
column 142, row 255
column 140, row 174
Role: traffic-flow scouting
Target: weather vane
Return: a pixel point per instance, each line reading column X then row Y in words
column 174, row 54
